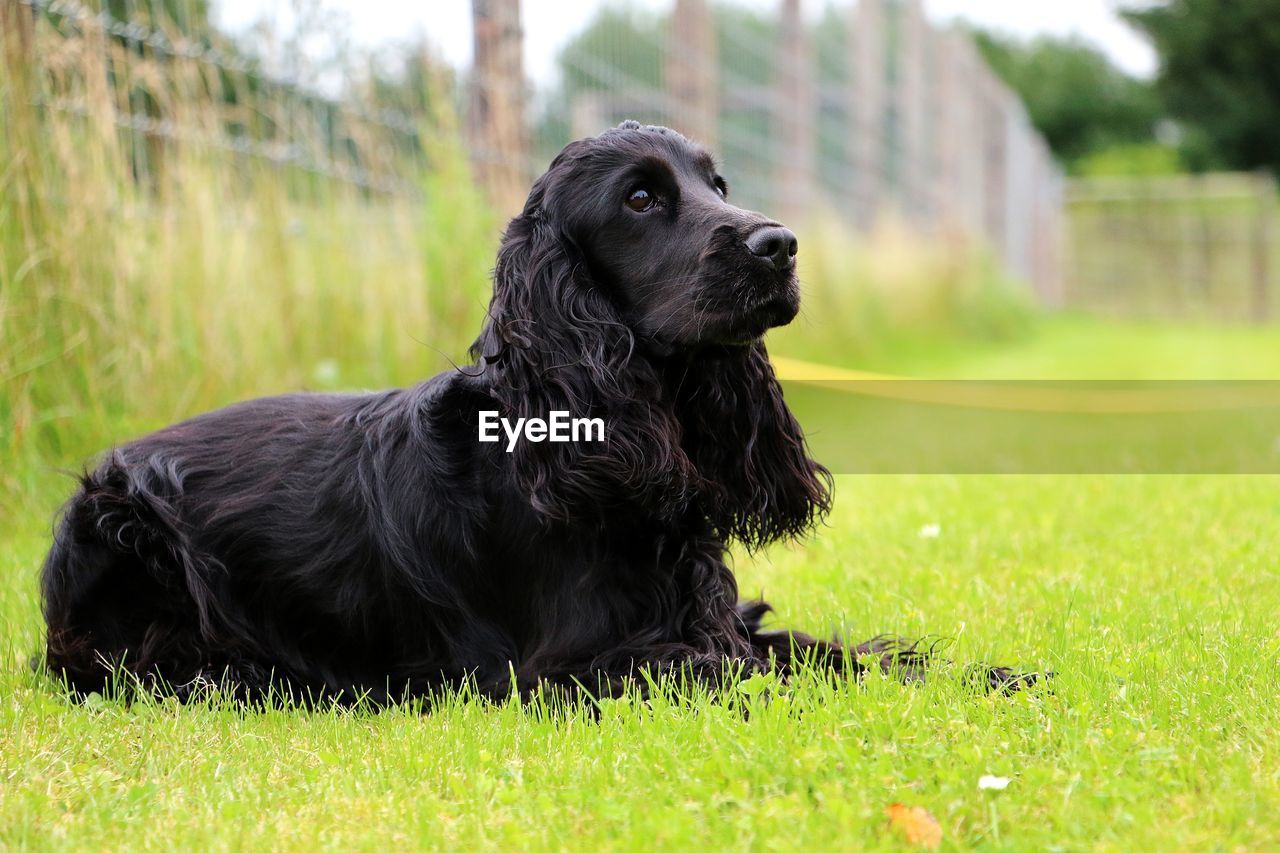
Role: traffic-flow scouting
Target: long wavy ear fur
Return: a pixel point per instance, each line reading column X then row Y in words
column 712, row 429
column 555, row 342
column 757, row 481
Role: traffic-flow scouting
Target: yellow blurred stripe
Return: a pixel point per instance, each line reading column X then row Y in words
column 808, row 371
column 1061, row 396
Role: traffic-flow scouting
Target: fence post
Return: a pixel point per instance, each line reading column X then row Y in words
column 867, row 44
column 995, row 118
column 795, row 135
column 588, row 114
column 691, row 71
column 914, row 175
column 499, row 136
column 1263, row 223
column 952, row 135
column 1049, row 261
column 17, row 56
column 18, row 76
column 17, row 45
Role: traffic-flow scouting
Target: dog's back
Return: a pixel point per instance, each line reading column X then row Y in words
column 140, row 580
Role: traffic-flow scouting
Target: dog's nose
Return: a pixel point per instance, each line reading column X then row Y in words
column 775, row 244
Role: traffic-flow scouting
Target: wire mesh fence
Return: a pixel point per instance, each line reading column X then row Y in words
column 1202, row 247
column 165, row 79
column 860, row 112
column 865, row 112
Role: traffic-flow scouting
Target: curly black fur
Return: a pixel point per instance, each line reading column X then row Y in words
column 344, row 545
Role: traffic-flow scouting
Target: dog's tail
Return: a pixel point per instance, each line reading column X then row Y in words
column 122, row 586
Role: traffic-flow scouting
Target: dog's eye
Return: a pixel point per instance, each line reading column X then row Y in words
column 640, row 200
column 721, row 187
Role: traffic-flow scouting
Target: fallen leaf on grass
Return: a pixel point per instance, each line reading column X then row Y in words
column 993, row 783
column 915, row 824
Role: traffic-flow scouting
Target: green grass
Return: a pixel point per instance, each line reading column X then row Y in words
column 1055, row 346
column 1153, row 599
column 1079, row 347
column 124, row 307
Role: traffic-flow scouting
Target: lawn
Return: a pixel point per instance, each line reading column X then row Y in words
column 1151, row 598
column 129, row 299
column 1073, row 347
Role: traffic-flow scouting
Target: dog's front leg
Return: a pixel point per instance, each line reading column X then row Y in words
column 789, row 651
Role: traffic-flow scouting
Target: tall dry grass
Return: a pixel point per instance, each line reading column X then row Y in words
column 872, row 296
column 146, row 276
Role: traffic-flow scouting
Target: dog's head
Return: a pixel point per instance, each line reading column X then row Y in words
column 651, row 218
column 629, row 286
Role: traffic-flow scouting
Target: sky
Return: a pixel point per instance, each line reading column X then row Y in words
column 549, row 23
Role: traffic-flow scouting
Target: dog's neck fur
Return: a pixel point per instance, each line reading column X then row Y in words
column 703, row 430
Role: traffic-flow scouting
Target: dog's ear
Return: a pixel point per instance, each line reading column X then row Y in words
column 554, row 341
column 758, row 483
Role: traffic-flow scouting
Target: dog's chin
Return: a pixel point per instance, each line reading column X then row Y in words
column 728, row 328
column 717, row 339
column 742, row 329
column 745, row 338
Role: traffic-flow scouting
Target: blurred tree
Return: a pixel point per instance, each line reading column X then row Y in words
column 1219, row 74
column 619, row 49
column 1074, row 95
column 417, row 83
column 620, row 52
column 1140, row 159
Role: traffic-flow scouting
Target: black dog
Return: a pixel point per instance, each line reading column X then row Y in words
column 346, row 545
